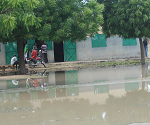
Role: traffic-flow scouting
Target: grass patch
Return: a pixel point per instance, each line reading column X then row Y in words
column 101, row 64
column 119, row 63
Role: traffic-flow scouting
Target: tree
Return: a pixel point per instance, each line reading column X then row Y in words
column 69, row 19
column 128, row 19
column 55, row 20
column 16, row 21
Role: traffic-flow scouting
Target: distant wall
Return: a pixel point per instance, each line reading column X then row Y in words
column 2, row 55
column 50, row 56
column 114, row 50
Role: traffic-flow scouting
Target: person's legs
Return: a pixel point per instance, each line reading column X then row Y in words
column 34, row 60
column 45, row 55
column 146, row 49
column 16, row 64
column 25, row 58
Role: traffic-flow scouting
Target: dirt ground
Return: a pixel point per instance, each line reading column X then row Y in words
column 62, row 66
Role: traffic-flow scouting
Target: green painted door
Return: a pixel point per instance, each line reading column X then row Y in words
column 10, row 50
column 71, row 77
column 49, row 45
column 31, row 44
column 70, row 51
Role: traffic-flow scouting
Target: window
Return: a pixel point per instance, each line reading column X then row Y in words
column 101, row 89
column 132, row 85
column 99, row 41
column 129, row 42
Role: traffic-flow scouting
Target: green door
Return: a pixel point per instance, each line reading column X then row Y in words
column 70, row 51
column 10, row 50
column 49, row 45
column 31, row 44
column 71, row 77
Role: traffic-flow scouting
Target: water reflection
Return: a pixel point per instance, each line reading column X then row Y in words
column 36, row 107
column 94, row 96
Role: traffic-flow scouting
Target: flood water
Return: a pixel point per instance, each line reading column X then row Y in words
column 93, row 96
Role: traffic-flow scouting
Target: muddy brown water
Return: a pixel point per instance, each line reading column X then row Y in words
column 94, row 96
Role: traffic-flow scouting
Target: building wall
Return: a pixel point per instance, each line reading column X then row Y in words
column 2, row 55
column 50, row 56
column 114, row 50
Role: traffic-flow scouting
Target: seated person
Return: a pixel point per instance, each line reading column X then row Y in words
column 34, row 55
column 14, row 61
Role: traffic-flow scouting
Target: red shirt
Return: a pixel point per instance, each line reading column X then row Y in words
column 34, row 54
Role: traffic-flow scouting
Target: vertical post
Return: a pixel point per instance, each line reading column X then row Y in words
column 142, row 51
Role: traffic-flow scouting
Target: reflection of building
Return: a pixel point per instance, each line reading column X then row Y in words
column 90, row 75
column 94, row 93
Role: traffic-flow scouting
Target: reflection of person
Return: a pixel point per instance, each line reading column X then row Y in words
column 36, row 82
column 34, row 55
column 15, row 82
column 28, row 82
column 25, row 52
column 145, row 43
column 44, row 52
column 14, row 61
column 148, row 87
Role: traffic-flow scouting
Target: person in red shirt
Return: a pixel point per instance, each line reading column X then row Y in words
column 34, row 55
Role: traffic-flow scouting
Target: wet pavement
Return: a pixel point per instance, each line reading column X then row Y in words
column 93, row 96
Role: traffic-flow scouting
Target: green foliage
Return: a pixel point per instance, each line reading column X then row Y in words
column 69, row 19
column 56, row 20
column 17, row 17
column 127, row 18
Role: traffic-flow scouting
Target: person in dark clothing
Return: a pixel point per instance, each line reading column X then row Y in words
column 44, row 52
column 145, row 43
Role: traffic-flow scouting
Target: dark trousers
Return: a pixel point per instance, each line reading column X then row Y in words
column 34, row 60
column 16, row 63
column 44, row 55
